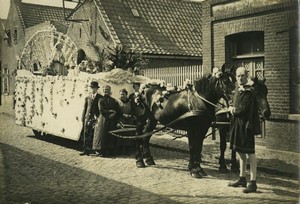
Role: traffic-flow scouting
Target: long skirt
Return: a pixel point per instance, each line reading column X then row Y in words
column 60, row 69
column 103, row 141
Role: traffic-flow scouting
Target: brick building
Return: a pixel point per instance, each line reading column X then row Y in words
column 22, row 22
column 262, row 36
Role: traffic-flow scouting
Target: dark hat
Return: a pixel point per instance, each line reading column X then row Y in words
column 94, row 84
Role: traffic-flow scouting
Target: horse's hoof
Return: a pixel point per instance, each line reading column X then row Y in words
column 223, row 169
column 140, row 164
column 150, row 162
column 196, row 175
column 202, row 172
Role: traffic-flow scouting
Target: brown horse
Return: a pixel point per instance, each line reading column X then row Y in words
column 197, row 106
column 260, row 91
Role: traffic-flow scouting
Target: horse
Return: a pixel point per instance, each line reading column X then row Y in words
column 260, row 91
column 191, row 109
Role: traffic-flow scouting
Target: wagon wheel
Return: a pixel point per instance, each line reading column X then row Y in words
column 38, row 51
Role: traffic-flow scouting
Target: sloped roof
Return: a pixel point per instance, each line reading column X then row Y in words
column 165, row 27
column 32, row 14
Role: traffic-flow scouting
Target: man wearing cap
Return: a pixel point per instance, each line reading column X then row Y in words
column 89, row 116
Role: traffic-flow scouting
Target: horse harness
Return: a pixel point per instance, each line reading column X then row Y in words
column 188, row 114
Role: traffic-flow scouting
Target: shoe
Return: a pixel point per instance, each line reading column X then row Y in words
column 240, row 182
column 251, row 188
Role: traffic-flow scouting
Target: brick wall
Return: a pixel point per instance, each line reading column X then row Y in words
column 275, row 28
column 223, row 29
column 281, row 132
column 283, row 135
column 277, row 62
column 206, row 37
column 89, row 11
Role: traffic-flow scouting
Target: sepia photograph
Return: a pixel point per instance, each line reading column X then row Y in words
column 149, row 101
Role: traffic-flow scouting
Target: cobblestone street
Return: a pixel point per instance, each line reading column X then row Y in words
column 50, row 170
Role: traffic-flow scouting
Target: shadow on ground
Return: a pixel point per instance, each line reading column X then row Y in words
column 30, row 178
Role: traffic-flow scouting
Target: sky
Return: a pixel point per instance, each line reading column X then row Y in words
column 4, row 5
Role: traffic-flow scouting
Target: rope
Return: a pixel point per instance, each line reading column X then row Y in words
column 196, row 94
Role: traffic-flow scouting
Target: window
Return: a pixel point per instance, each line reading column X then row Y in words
column 15, row 36
column 91, row 30
column 251, row 43
column 248, row 51
column 8, row 37
column 80, row 32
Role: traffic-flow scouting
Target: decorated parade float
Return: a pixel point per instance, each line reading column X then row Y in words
column 51, row 87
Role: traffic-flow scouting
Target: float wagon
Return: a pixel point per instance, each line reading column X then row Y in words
column 54, row 104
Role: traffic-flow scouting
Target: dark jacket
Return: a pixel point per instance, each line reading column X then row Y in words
column 91, row 109
column 245, row 122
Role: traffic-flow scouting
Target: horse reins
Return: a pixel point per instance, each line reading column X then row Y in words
column 207, row 101
column 183, row 116
column 190, row 113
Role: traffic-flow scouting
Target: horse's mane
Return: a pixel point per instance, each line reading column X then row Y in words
column 260, row 85
column 207, row 87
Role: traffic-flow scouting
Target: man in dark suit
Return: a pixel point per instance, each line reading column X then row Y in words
column 89, row 117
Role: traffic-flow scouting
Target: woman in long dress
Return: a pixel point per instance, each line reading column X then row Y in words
column 104, row 143
column 126, row 118
column 58, row 61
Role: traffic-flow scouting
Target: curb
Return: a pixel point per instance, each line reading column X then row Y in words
column 262, row 168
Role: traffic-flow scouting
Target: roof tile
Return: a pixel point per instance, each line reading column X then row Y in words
column 164, row 26
column 33, row 14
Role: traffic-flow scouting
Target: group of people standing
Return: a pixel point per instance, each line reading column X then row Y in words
column 102, row 114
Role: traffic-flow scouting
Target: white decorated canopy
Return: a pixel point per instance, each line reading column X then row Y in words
column 54, row 104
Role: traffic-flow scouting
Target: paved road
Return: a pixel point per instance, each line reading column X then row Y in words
column 50, row 170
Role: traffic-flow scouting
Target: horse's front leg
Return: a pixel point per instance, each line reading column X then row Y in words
column 150, row 126
column 198, row 151
column 139, row 153
column 223, row 134
column 196, row 135
column 139, row 145
column 194, row 163
column 147, row 153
